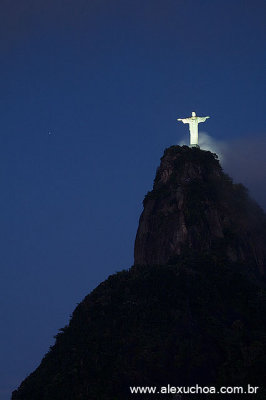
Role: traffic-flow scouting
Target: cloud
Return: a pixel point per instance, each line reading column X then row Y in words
column 244, row 159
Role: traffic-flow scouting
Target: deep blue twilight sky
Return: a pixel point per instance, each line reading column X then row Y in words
column 90, row 91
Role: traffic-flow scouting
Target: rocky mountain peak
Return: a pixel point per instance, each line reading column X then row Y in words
column 195, row 207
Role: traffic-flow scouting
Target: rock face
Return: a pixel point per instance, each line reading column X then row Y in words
column 192, row 310
column 194, row 206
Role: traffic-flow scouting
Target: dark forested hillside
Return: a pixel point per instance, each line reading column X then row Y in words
column 192, row 310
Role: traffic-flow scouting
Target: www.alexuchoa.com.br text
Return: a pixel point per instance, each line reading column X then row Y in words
column 196, row 389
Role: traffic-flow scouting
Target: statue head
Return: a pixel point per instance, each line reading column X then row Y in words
column 193, row 114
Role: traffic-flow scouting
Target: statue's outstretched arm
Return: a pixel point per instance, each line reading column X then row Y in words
column 202, row 119
column 184, row 120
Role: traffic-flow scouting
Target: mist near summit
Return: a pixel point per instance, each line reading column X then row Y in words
column 242, row 158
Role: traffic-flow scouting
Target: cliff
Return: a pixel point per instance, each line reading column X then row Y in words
column 191, row 310
column 195, row 207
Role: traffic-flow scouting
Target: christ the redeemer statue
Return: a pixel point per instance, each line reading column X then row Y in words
column 193, row 127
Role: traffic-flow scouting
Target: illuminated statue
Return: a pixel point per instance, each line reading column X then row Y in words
column 193, row 127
